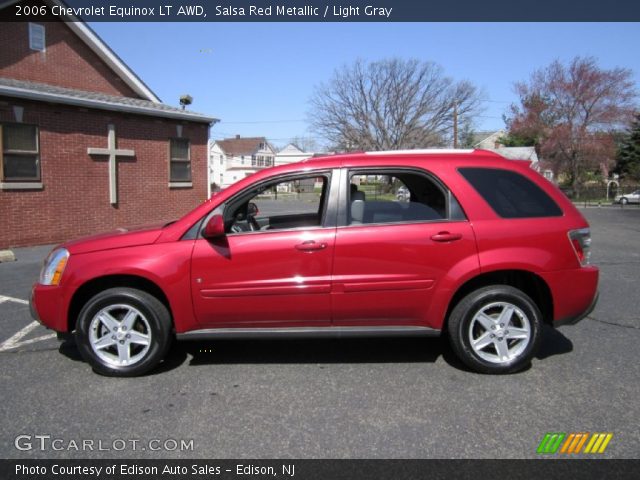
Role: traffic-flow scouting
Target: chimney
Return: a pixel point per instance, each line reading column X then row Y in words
column 237, row 136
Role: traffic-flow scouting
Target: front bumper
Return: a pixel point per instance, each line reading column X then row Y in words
column 46, row 306
column 32, row 306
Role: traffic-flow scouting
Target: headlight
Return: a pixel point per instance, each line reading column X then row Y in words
column 54, row 266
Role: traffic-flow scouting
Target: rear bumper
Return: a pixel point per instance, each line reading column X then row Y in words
column 575, row 319
column 574, row 292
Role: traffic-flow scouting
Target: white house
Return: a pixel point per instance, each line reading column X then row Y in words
column 232, row 159
column 291, row 154
column 491, row 141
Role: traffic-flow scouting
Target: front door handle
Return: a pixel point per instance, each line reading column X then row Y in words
column 446, row 237
column 311, row 246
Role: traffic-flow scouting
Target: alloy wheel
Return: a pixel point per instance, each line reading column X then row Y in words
column 499, row 332
column 120, row 335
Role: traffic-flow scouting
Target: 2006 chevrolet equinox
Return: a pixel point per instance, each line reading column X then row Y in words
column 482, row 249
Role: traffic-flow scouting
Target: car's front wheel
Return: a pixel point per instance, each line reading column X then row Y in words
column 624, row 201
column 123, row 332
column 495, row 329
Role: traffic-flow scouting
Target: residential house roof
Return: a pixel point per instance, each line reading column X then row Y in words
column 241, row 145
column 517, row 153
column 69, row 96
column 291, row 149
column 478, row 138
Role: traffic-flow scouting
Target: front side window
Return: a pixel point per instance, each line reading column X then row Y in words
column 510, row 194
column 180, row 160
column 394, row 197
column 19, row 153
column 283, row 204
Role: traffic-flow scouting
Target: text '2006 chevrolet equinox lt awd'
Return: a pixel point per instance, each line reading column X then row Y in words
column 480, row 248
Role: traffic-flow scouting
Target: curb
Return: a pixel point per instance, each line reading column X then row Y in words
column 7, row 256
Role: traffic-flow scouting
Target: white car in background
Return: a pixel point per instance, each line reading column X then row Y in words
column 633, row 197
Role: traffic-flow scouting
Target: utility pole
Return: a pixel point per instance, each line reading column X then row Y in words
column 455, row 125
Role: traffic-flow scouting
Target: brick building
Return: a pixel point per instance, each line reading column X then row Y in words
column 85, row 145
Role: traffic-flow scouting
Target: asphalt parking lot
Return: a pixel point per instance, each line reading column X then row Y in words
column 383, row 398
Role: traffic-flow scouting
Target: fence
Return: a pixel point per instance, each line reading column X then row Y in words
column 598, row 195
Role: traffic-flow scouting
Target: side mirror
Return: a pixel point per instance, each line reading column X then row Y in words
column 214, row 228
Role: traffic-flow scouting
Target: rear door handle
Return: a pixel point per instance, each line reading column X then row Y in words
column 310, row 246
column 446, row 237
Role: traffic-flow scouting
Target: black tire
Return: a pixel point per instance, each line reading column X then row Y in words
column 624, row 201
column 154, row 322
column 460, row 328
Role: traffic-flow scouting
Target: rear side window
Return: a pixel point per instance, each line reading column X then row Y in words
column 510, row 194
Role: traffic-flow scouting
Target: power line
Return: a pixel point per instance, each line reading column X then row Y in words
column 253, row 122
column 495, row 101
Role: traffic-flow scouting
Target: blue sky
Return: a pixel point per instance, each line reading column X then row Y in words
column 258, row 77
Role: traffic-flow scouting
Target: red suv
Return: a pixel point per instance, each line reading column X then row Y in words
column 477, row 247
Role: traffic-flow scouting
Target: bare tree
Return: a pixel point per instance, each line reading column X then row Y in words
column 390, row 104
column 306, row 144
column 570, row 112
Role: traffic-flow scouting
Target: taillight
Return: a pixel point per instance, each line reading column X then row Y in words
column 581, row 242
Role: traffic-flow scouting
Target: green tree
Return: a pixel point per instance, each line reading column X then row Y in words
column 628, row 155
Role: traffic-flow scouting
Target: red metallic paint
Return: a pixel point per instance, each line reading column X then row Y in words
column 261, row 279
column 373, row 274
column 386, row 274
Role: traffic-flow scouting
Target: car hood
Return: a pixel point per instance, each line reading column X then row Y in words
column 120, row 238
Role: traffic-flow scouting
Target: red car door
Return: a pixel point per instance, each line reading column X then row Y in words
column 277, row 274
column 264, row 279
column 387, row 274
column 396, row 252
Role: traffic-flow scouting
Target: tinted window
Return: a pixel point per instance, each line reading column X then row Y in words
column 510, row 194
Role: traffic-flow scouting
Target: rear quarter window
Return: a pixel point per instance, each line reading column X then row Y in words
column 510, row 194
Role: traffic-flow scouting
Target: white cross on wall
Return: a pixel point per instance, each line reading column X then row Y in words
column 113, row 153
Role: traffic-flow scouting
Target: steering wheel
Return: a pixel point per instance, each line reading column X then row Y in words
column 253, row 223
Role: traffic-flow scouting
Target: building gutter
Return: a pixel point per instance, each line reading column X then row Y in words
column 102, row 104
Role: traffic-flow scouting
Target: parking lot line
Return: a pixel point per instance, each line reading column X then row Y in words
column 14, row 341
column 4, row 298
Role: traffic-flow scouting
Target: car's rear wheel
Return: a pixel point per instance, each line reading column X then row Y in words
column 123, row 332
column 495, row 329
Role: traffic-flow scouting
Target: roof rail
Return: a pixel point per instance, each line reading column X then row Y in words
column 445, row 151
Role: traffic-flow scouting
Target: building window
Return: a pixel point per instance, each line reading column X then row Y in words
column 19, row 153
column 253, row 161
column 36, row 37
column 221, row 160
column 180, row 160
